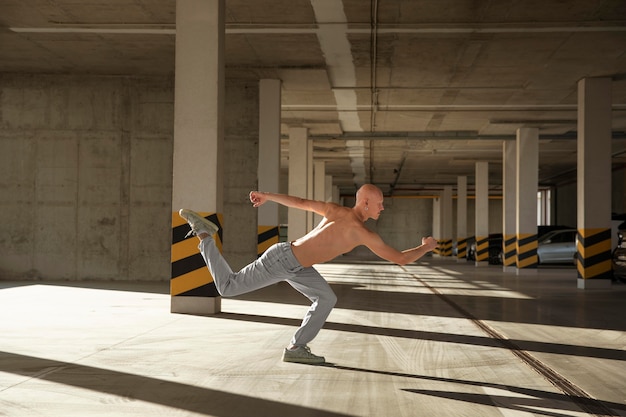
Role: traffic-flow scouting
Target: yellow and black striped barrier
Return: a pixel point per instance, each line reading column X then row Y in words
column 266, row 237
column 594, row 253
column 526, row 248
column 446, row 247
column 437, row 250
column 482, row 248
column 509, row 252
column 461, row 248
column 190, row 275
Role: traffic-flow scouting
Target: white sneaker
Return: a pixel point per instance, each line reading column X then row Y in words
column 302, row 354
column 198, row 223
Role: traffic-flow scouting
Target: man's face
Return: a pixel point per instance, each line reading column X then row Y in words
column 376, row 206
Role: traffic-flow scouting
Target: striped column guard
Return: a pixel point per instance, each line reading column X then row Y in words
column 266, row 237
column 461, row 248
column 437, row 250
column 509, row 252
column 446, row 247
column 190, row 275
column 526, row 248
column 482, row 248
column 594, row 253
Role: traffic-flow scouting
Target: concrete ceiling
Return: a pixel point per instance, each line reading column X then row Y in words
column 406, row 94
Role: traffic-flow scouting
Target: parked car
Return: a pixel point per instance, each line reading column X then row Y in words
column 471, row 249
column 619, row 255
column 557, row 246
column 544, row 229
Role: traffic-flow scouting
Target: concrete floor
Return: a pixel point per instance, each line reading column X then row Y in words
column 437, row 338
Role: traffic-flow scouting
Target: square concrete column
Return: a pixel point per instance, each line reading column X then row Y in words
column 298, row 180
column 328, row 189
column 241, row 155
column 310, row 181
column 461, row 219
column 269, row 160
column 482, row 213
column 594, row 183
column 509, row 205
column 319, row 186
column 437, row 225
column 527, row 157
column 446, row 221
column 198, row 142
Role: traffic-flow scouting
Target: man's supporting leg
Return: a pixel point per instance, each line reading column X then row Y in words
column 310, row 283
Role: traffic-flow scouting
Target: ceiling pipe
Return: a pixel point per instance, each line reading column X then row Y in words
column 373, row 63
column 460, row 135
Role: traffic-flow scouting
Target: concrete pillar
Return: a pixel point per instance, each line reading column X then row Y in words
column 482, row 213
column 336, row 194
column 594, row 183
column 461, row 219
column 509, row 228
column 328, row 189
column 526, row 186
column 269, row 161
column 298, row 180
column 241, row 156
column 310, row 187
column 198, row 142
column 446, row 221
column 319, row 186
column 437, row 225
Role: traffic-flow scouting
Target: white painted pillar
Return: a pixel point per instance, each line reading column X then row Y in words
column 594, row 183
column 310, row 181
column 319, row 186
column 461, row 219
column 446, row 220
column 437, row 225
column 509, row 205
column 527, row 162
column 298, row 180
column 336, row 194
column 269, row 161
column 482, row 213
column 198, row 146
column 328, row 189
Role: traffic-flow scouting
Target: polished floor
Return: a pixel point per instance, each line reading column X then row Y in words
column 438, row 338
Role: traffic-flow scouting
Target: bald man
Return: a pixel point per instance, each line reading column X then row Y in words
column 341, row 230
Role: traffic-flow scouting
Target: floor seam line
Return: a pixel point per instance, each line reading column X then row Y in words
column 580, row 397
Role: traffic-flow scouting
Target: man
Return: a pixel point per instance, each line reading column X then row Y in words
column 341, row 230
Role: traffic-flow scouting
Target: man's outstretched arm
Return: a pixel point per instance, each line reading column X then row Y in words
column 259, row 198
column 380, row 248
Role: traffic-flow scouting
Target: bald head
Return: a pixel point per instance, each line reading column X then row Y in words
column 368, row 191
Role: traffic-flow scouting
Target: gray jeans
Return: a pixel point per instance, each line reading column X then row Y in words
column 275, row 265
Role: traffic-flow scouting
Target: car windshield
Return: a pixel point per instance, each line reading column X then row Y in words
column 558, row 236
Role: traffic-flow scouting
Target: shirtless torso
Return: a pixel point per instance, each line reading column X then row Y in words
column 338, row 233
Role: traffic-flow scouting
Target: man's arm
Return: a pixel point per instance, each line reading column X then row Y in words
column 259, row 198
column 375, row 243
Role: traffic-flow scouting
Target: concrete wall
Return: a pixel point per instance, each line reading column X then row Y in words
column 405, row 221
column 85, row 177
column 564, row 199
